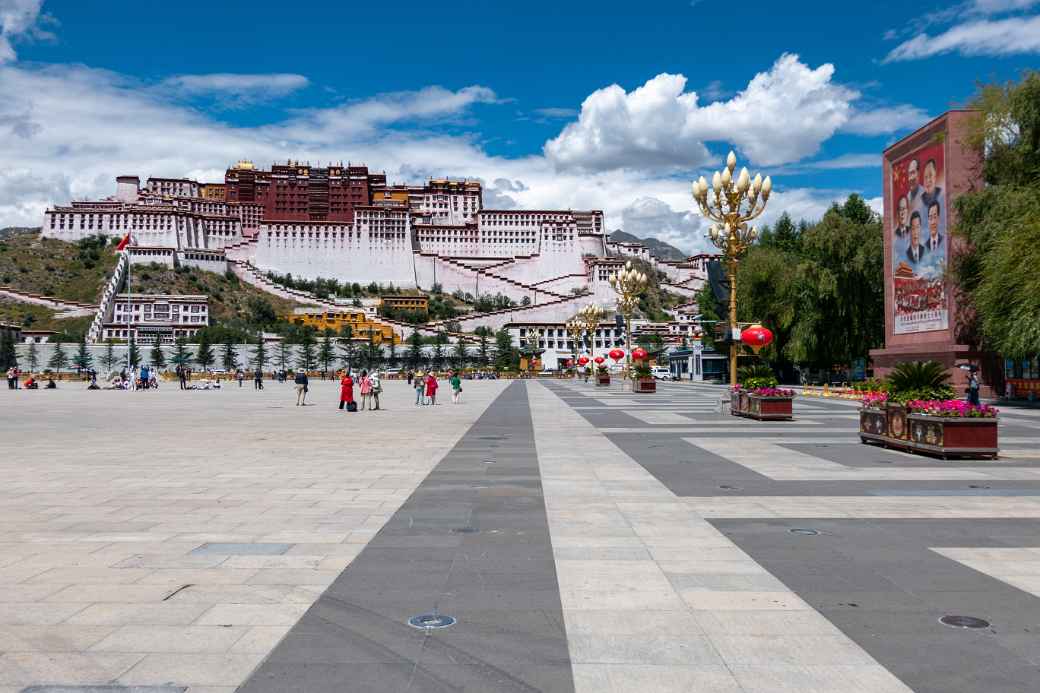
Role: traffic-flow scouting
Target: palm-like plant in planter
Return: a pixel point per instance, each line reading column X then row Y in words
column 757, row 375
column 924, row 380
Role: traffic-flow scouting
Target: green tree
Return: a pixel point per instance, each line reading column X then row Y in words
column 326, row 351
column 1000, row 221
column 283, row 355
column 373, row 353
column 229, row 357
column 305, row 359
column 83, row 360
column 180, row 357
column 348, row 350
column 259, row 352
column 59, row 359
column 157, row 357
column 414, row 350
column 8, row 355
column 461, row 355
column 33, row 357
column 134, row 353
column 506, row 355
column 108, row 359
column 392, row 356
column 439, row 340
column 204, row 353
column 484, row 348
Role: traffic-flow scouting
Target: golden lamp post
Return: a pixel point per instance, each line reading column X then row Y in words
column 590, row 316
column 574, row 328
column 731, row 203
column 628, row 283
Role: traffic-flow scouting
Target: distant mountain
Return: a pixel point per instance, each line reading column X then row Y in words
column 659, row 249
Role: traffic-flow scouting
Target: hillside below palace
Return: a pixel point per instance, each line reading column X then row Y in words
column 344, row 222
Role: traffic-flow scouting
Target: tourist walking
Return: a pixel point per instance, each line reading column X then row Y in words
column 240, row 376
column 377, row 387
column 301, row 388
column 258, row 379
column 431, row 388
column 365, row 388
column 456, row 387
column 346, row 392
column 973, row 389
column 144, row 377
column 410, row 374
column 12, row 378
column 420, row 387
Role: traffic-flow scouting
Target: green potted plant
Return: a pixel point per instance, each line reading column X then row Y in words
column 758, row 395
column 642, row 377
column 602, row 375
column 918, row 413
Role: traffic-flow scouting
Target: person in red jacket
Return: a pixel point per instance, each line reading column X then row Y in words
column 431, row 388
column 346, row 390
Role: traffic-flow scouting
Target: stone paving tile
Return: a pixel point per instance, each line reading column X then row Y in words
column 97, row 547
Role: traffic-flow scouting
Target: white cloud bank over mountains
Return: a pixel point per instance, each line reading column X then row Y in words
column 66, row 131
column 976, row 32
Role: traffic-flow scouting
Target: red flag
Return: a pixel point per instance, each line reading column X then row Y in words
column 125, row 242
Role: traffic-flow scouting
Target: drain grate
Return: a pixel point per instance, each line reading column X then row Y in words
column 978, row 486
column 804, row 531
column 431, row 621
column 963, row 622
column 728, row 487
column 465, row 530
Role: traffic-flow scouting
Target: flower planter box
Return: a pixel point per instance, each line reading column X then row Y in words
column 602, row 380
column 644, row 385
column 941, row 436
column 760, row 408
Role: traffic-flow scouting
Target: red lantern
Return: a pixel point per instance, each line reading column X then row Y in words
column 639, row 354
column 616, row 354
column 599, row 360
column 756, row 337
column 582, row 360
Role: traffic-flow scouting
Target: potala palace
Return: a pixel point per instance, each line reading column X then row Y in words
column 346, row 223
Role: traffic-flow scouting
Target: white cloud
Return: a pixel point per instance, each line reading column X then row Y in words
column 66, row 132
column 238, row 89
column 1011, row 36
column 556, row 112
column 988, row 7
column 883, row 120
column 782, row 115
column 17, row 18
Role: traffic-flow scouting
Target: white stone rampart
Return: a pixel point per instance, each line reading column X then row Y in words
column 115, row 282
column 209, row 260
column 146, row 256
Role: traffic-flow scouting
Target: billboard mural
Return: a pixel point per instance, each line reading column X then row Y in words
column 920, row 241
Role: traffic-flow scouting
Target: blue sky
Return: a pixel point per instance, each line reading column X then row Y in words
column 607, row 105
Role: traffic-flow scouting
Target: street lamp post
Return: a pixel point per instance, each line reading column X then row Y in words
column 590, row 316
column 628, row 283
column 574, row 327
column 731, row 203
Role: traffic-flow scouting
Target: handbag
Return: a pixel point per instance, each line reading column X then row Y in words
column 351, row 406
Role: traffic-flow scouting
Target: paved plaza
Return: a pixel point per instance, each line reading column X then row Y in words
column 581, row 538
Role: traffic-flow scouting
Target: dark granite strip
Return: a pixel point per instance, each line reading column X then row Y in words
column 471, row 542
column 880, row 584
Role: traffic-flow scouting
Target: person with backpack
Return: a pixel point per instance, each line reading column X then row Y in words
column 377, row 388
column 419, row 384
column 258, row 379
column 365, row 387
column 346, row 392
column 431, row 388
column 301, row 388
column 456, row 387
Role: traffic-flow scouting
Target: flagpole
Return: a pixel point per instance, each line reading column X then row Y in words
column 129, row 312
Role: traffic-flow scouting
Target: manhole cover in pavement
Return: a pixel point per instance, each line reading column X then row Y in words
column 728, row 487
column 427, row 621
column 805, row 531
column 465, row 530
column 963, row 622
column 978, row 486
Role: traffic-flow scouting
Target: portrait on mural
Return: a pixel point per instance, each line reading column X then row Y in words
column 919, row 241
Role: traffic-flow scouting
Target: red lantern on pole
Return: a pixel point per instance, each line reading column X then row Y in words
column 756, row 337
column 582, row 360
column 599, row 360
column 616, row 354
column 639, row 354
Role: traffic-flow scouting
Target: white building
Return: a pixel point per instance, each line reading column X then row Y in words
column 558, row 346
column 150, row 317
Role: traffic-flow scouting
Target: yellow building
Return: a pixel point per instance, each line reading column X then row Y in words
column 212, row 191
column 336, row 320
column 419, row 302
